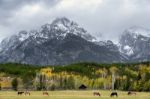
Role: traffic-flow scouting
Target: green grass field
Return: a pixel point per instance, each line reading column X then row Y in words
column 72, row 95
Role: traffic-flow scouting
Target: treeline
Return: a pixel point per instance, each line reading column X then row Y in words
column 133, row 76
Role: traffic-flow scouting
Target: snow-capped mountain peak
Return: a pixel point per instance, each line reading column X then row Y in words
column 135, row 43
column 63, row 26
column 63, row 21
column 58, row 29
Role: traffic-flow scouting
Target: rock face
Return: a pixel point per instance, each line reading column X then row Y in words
column 135, row 44
column 61, row 42
column 64, row 42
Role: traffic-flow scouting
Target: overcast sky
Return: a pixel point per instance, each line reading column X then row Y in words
column 106, row 17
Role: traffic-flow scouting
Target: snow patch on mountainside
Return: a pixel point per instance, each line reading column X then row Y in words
column 129, row 50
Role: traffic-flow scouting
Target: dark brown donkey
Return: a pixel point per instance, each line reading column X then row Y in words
column 96, row 94
column 45, row 93
column 131, row 93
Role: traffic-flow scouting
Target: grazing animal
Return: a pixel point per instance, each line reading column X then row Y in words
column 27, row 93
column 131, row 93
column 45, row 93
column 20, row 92
column 96, row 94
column 114, row 94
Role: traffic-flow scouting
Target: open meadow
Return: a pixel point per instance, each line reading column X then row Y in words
column 73, row 95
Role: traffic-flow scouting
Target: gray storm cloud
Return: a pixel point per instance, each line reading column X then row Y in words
column 100, row 17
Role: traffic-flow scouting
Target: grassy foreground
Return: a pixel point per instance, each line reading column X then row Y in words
column 72, row 95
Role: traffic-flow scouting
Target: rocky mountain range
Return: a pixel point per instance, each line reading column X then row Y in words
column 64, row 42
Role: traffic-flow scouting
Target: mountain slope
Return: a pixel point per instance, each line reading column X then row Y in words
column 61, row 42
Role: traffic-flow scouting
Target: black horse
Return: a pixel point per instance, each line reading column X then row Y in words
column 114, row 94
column 20, row 92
